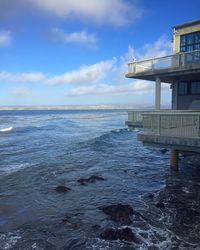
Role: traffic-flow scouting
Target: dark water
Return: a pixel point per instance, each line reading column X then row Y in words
column 49, row 148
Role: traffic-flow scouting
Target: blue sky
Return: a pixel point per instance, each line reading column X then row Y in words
column 75, row 52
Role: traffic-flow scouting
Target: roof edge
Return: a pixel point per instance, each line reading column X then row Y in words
column 190, row 23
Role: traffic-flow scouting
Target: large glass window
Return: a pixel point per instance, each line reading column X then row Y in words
column 189, row 87
column 195, row 87
column 183, row 88
column 190, row 41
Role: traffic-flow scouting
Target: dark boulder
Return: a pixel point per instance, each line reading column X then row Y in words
column 119, row 213
column 124, row 234
column 62, row 189
column 150, row 195
column 163, row 150
column 187, row 215
column 91, row 179
column 160, row 205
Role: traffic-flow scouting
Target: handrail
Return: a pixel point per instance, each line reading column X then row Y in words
column 166, row 62
column 173, row 124
column 162, row 57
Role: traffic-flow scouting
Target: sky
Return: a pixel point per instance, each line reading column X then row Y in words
column 75, row 52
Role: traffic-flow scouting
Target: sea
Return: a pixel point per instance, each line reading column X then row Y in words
column 42, row 149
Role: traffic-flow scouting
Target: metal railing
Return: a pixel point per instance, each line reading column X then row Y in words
column 135, row 118
column 167, row 62
column 174, row 123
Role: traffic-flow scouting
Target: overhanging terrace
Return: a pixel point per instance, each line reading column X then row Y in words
column 172, row 129
column 168, row 68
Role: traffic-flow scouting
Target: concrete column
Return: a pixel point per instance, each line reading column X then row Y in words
column 175, row 95
column 174, row 159
column 157, row 94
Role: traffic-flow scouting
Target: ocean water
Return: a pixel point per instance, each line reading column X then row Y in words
column 40, row 150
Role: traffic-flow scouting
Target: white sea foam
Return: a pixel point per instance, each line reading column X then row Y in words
column 14, row 168
column 6, row 129
column 8, row 241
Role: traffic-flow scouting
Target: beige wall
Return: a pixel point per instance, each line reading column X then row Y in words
column 182, row 31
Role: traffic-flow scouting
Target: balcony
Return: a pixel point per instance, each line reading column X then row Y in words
column 177, row 129
column 135, row 119
column 167, row 68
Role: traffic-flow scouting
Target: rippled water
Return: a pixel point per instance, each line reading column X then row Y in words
column 45, row 149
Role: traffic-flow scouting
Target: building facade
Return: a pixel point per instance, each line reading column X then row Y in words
column 179, row 128
column 186, row 91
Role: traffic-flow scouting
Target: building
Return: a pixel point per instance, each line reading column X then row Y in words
column 177, row 129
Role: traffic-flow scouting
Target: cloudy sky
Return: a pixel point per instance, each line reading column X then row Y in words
column 75, row 52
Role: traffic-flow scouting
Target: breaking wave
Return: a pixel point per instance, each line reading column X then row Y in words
column 6, row 129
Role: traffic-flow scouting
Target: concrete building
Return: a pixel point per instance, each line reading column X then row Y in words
column 179, row 128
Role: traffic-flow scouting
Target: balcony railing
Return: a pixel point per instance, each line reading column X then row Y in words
column 174, row 124
column 167, row 62
column 135, row 118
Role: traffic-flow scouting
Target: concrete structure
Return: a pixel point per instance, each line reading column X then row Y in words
column 179, row 128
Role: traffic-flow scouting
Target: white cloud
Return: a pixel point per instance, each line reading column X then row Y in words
column 5, row 38
column 85, row 74
column 121, row 86
column 161, row 47
column 21, row 77
column 21, row 92
column 82, row 37
column 93, row 79
column 135, row 88
column 115, row 12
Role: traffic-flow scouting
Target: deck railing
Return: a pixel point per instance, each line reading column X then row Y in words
column 135, row 118
column 174, row 123
column 167, row 62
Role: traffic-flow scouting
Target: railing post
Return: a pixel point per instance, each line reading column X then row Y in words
column 159, row 124
column 152, row 65
column 174, row 159
column 157, row 93
column 183, row 59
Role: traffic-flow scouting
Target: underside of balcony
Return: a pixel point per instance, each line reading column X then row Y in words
column 178, row 143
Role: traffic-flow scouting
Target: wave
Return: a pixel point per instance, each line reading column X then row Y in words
column 6, row 129
column 106, row 140
column 14, row 168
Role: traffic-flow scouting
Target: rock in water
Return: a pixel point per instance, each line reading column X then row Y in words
column 119, row 213
column 109, row 234
column 91, row 179
column 125, row 234
column 160, row 205
column 163, row 150
column 62, row 189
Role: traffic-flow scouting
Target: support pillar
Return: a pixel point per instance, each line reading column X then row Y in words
column 174, row 159
column 157, row 93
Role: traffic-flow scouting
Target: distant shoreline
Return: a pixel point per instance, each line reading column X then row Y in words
column 71, row 107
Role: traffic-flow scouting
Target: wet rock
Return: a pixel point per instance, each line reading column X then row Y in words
column 163, row 150
column 73, row 244
column 91, row 179
column 150, row 195
column 124, row 234
column 153, row 247
column 119, row 213
column 96, row 227
column 62, row 189
column 160, row 205
column 187, row 215
column 70, row 222
column 82, row 181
